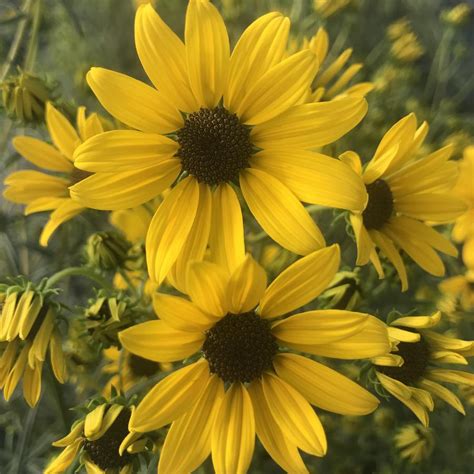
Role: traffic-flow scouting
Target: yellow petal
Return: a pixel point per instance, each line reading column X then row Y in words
column 294, row 415
column 278, row 89
column 61, row 131
column 280, row 213
column 451, row 376
column 155, row 340
column 65, row 211
column 16, row 373
column 233, row 435
column 207, row 52
column 65, row 459
column 107, row 421
column 123, row 150
column 402, row 335
column 314, row 178
column 324, row 387
column 32, row 384
column 365, row 245
column 395, row 387
column 75, row 432
column 206, row 285
column 246, row 286
column 44, row 204
column 443, row 393
column 281, row 449
column 301, row 282
column 261, row 46
column 181, row 314
column 110, row 191
column 170, row 227
column 448, row 357
column 188, row 442
column 41, row 154
column 93, row 420
column 58, row 361
column 163, row 57
column 310, row 126
column 376, row 168
column 418, row 321
column 171, row 398
column 133, row 102
column 441, row 342
column 227, row 231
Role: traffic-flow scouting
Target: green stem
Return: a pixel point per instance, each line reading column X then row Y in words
column 257, row 237
column 33, row 42
column 58, row 398
column 127, row 280
column 78, row 271
column 25, row 436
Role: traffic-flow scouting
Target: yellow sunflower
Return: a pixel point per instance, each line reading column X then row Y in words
column 411, row 373
column 243, row 384
column 329, row 81
column 404, row 193
column 218, row 122
column 49, row 192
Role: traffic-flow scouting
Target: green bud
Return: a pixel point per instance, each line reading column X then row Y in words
column 107, row 250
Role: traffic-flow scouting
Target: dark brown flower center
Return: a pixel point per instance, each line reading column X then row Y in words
column 380, row 205
column 141, row 367
column 240, row 347
column 104, row 452
column 416, row 356
column 214, row 145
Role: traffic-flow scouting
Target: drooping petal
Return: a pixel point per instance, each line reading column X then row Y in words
column 41, row 154
column 207, row 52
column 261, row 46
column 294, row 415
column 281, row 449
column 279, row 88
column 246, row 286
column 32, row 383
column 324, row 387
column 188, row 442
column 155, row 340
column 233, row 434
column 170, row 227
column 365, row 245
column 280, row 213
column 443, row 393
column 171, row 398
column 420, row 322
column 61, row 131
column 450, row 376
column 314, row 178
column 133, row 102
column 227, row 231
column 163, row 56
column 301, row 282
column 308, row 126
column 110, row 191
column 123, row 150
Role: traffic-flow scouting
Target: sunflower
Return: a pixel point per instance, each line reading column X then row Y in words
column 27, row 330
column 411, row 373
column 48, row 192
column 329, row 81
column 218, row 122
column 243, row 384
column 101, row 440
column 126, row 370
column 415, row 442
column 404, row 193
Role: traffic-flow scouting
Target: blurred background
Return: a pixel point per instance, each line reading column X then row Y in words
column 417, row 54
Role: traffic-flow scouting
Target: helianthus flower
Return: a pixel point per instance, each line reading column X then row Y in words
column 404, row 193
column 27, row 330
column 127, row 369
column 49, row 192
column 415, row 442
column 411, row 373
column 218, row 121
column 329, row 81
column 405, row 44
column 101, row 440
column 243, row 384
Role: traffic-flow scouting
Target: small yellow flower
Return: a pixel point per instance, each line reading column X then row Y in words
column 49, row 192
column 246, row 382
column 405, row 192
column 415, row 442
column 458, row 14
column 411, row 373
column 405, row 44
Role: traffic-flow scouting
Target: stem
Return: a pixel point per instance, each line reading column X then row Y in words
column 33, row 43
column 257, row 237
column 17, row 41
column 57, row 394
column 78, row 271
column 127, row 280
column 25, row 436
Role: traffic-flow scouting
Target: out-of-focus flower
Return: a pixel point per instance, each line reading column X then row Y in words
column 28, row 328
column 460, row 287
column 411, row 373
column 107, row 250
column 344, row 292
column 326, row 8
column 405, row 44
column 404, row 193
column 415, row 442
column 457, row 15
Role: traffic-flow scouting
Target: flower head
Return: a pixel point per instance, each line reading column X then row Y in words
column 404, row 194
column 411, row 372
column 245, row 382
column 415, row 442
column 217, row 123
